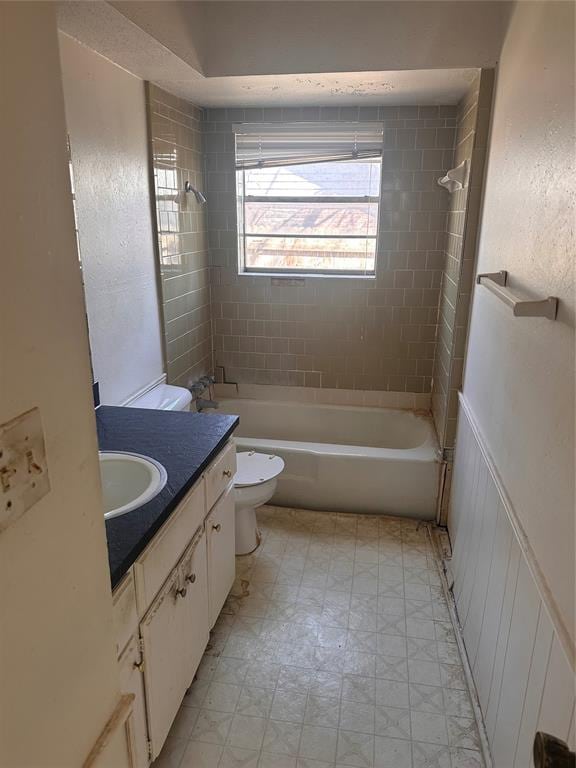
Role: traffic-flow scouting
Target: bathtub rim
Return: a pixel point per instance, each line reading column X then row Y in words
column 428, row 450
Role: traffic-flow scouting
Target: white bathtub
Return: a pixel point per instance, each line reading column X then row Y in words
column 344, row 458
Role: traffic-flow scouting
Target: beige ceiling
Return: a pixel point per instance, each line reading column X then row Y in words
column 248, row 53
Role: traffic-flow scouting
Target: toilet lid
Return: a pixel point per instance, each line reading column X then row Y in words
column 255, row 468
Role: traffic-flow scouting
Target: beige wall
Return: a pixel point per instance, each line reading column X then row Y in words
column 334, row 332
column 519, row 377
column 176, row 151
column 106, row 119
column 58, row 674
column 473, row 118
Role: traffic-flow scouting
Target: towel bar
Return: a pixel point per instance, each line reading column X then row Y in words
column 496, row 284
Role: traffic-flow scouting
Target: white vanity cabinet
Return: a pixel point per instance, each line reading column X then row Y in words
column 169, row 601
column 174, row 634
column 220, row 527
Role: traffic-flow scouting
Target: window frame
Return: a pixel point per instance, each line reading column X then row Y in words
column 242, row 198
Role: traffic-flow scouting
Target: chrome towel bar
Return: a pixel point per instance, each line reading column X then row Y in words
column 496, row 284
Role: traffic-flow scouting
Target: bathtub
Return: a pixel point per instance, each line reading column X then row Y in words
column 344, row 458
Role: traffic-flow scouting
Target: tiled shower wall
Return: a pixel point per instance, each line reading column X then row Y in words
column 473, row 119
column 348, row 333
column 176, row 151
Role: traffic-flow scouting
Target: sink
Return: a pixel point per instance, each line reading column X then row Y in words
column 129, row 480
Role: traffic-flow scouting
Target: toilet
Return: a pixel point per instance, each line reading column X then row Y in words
column 254, row 484
column 256, row 475
column 164, row 397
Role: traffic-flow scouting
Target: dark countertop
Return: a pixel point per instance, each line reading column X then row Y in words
column 184, row 443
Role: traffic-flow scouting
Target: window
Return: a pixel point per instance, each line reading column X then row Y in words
column 308, row 197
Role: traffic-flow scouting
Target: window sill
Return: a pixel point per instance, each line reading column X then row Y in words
column 306, row 275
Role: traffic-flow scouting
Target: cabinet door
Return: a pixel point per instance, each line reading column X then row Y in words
column 163, row 631
column 194, row 578
column 174, row 634
column 132, row 681
column 220, row 532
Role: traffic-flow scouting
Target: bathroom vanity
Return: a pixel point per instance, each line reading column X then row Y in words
column 172, row 561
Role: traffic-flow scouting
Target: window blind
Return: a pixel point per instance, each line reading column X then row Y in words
column 273, row 145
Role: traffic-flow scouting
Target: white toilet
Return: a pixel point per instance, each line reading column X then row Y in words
column 254, row 484
column 164, row 397
column 255, row 479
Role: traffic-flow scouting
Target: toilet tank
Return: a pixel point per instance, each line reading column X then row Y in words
column 164, row 397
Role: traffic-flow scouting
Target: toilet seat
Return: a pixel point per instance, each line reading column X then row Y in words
column 256, row 468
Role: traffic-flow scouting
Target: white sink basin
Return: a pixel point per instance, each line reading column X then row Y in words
column 129, row 480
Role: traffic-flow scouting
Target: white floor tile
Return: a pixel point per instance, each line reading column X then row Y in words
column 335, row 650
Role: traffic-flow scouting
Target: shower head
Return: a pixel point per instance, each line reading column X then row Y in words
column 196, row 192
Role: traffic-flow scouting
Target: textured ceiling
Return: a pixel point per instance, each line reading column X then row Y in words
column 102, row 27
column 432, row 86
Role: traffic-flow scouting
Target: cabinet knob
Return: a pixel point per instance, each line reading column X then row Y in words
column 217, row 527
column 181, row 592
column 227, row 473
column 138, row 665
column 191, row 578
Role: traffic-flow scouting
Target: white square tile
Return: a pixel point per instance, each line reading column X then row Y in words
column 429, row 727
column 326, row 684
column 421, row 648
column 392, row 722
column 417, row 592
column 247, row 732
column 262, row 674
column 355, row 749
column 426, row 698
column 289, row 706
column 222, row 697
column 392, row 693
column 322, row 711
column 355, row 716
column 199, row 754
column 365, row 642
column 391, row 645
column 212, row 726
column 466, row 758
column 294, row 679
column 462, row 732
column 237, row 757
column 358, row 663
column 430, row 755
column 457, row 703
column 359, row 688
column 391, row 667
column 424, row 672
column 282, row 737
column 255, row 702
column 230, row 670
column 420, row 628
column 318, row 743
column 392, row 753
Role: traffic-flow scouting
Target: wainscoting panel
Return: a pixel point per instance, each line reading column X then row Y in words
column 523, row 677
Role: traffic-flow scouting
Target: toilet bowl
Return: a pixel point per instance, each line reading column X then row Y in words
column 254, row 484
